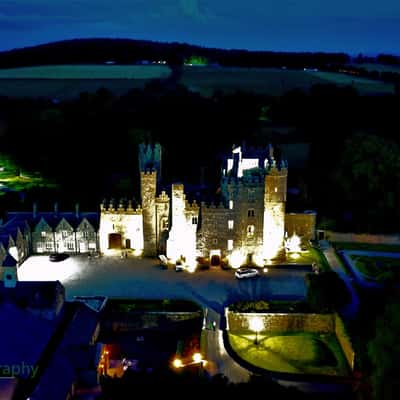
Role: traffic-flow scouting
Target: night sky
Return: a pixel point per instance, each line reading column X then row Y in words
column 352, row 26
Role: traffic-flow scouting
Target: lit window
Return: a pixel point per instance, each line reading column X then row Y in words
column 230, row 244
column 231, row 204
column 194, row 220
column 250, row 231
column 230, row 224
column 276, row 189
column 43, row 234
column 250, row 212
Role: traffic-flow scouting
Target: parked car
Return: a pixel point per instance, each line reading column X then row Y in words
column 242, row 273
column 58, row 256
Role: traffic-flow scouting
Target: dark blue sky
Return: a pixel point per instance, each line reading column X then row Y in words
column 353, row 26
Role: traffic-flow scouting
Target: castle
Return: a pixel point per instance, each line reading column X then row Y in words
column 249, row 224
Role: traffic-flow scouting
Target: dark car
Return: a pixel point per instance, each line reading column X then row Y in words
column 58, row 256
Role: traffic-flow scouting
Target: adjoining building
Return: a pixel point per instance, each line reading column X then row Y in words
column 248, row 224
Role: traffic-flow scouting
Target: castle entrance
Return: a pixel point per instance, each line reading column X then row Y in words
column 215, row 258
column 114, row 241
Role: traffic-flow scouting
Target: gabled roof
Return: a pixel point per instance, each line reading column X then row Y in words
column 20, row 219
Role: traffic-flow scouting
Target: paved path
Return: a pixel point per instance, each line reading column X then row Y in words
column 351, row 309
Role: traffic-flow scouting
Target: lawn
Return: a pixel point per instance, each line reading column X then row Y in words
column 300, row 352
column 309, row 256
column 376, row 268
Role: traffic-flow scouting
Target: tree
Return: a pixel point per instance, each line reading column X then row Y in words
column 384, row 352
column 366, row 178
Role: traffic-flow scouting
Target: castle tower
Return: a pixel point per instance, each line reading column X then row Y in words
column 274, row 206
column 150, row 158
column 148, row 189
column 182, row 238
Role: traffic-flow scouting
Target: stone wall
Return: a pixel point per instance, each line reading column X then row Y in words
column 280, row 322
column 291, row 322
column 344, row 340
column 302, row 224
column 362, row 238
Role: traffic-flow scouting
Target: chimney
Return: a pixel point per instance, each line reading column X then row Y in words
column 76, row 210
column 34, row 210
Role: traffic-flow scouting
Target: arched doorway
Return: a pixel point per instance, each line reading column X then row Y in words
column 114, row 241
column 215, row 258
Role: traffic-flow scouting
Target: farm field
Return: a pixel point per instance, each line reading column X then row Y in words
column 68, row 81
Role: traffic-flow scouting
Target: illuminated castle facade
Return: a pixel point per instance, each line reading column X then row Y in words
column 249, row 224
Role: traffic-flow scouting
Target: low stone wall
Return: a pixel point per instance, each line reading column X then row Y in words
column 362, row 238
column 293, row 322
column 302, row 224
column 280, row 322
column 345, row 341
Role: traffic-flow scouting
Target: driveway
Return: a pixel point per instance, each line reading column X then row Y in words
column 143, row 278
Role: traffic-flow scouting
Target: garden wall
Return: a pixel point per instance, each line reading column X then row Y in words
column 280, row 322
column 293, row 322
column 362, row 238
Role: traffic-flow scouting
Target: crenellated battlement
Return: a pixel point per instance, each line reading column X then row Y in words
column 162, row 197
column 148, row 172
column 122, row 208
column 194, row 206
column 213, row 206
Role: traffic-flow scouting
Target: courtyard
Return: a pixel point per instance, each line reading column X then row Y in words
column 117, row 277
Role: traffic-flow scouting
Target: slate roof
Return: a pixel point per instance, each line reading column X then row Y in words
column 24, row 336
column 72, row 354
column 18, row 219
column 35, row 295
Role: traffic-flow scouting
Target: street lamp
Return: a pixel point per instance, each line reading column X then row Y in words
column 256, row 324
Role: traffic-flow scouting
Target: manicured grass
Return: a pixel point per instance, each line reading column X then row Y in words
column 375, row 267
column 367, row 246
column 300, row 352
column 310, row 256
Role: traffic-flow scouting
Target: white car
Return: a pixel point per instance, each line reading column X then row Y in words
column 246, row 273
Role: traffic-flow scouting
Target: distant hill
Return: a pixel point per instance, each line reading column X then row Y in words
column 128, row 51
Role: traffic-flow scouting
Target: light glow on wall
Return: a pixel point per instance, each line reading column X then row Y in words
column 237, row 258
column 293, row 244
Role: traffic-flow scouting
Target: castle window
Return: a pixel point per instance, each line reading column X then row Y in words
column 164, row 223
column 43, row 234
column 230, row 224
column 230, row 244
column 49, row 245
column 64, row 234
column 85, row 234
column 250, row 231
column 276, row 189
column 250, row 212
column 215, row 241
column 70, row 245
column 231, row 204
column 194, row 220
